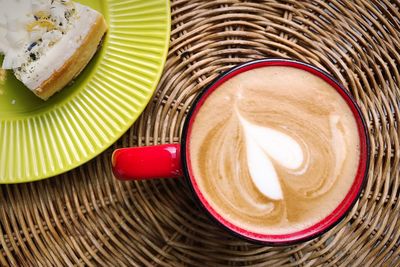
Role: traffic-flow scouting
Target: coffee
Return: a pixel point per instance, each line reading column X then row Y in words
column 274, row 150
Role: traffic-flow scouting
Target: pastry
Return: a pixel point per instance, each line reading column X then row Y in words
column 47, row 43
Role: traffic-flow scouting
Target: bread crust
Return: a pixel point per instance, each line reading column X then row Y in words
column 76, row 63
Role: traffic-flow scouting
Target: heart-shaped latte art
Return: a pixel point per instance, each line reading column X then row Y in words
column 264, row 144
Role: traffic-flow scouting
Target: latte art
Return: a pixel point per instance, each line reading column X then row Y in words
column 264, row 145
column 274, row 149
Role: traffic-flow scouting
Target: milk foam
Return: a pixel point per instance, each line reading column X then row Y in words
column 274, row 150
column 264, row 144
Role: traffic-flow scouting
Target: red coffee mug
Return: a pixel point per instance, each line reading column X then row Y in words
column 172, row 161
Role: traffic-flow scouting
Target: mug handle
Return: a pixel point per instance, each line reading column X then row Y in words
column 144, row 163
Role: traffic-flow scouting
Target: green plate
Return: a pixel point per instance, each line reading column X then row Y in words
column 40, row 139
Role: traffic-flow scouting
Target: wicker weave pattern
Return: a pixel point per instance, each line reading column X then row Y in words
column 85, row 217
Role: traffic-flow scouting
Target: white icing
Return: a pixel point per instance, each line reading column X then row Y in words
column 264, row 144
column 14, row 15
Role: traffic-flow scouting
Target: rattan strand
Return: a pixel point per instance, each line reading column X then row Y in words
column 85, row 217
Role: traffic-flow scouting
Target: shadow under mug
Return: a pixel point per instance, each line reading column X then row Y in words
column 173, row 160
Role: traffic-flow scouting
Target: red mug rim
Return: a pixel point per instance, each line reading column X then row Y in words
column 325, row 224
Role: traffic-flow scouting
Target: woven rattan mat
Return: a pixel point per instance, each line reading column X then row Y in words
column 86, row 217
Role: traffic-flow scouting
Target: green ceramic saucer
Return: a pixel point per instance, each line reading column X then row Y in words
column 41, row 139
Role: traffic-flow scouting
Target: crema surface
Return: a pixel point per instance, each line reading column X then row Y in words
column 274, row 150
